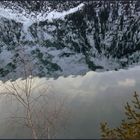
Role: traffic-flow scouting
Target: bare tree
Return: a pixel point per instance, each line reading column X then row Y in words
column 44, row 111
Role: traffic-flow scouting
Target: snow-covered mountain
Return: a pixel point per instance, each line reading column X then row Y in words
column 66, row 37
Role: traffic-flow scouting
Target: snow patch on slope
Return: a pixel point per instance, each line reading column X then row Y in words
column 29, row 19
column 60, row 15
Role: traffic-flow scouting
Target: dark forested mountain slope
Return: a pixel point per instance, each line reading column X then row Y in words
column 63, row 38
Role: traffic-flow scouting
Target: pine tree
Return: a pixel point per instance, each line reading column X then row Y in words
column 130, row 127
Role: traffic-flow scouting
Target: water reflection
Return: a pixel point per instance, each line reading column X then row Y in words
column 92, row 98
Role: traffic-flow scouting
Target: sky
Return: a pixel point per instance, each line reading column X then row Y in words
column 92, row 98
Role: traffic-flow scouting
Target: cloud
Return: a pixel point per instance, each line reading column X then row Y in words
column 91, row 98
column 127, row 83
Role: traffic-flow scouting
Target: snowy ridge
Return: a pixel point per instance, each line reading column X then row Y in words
column 61, row 15
column 28, row 19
